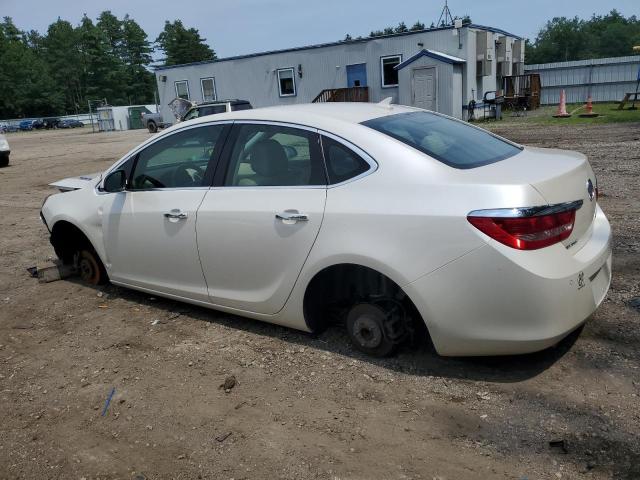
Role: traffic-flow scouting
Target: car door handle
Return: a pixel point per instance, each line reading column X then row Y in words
column 176, row 214
column 292, row 216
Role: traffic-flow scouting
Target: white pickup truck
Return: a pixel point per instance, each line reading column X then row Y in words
column 186, row 110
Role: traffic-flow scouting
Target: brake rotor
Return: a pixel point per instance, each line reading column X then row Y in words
column 88, row 268
column 367, row 327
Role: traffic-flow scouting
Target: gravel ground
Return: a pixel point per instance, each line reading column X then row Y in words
column 302, row 406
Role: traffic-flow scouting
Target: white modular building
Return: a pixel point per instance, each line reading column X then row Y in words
column 441, row 69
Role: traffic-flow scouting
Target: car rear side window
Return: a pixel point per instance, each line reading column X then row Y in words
column 450, row 141
column 342, row 162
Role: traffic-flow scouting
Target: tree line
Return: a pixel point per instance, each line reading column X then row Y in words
column 402, row 28
column 60, row 71
column 562, row 38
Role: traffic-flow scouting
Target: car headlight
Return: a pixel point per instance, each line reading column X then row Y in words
column 45, row 200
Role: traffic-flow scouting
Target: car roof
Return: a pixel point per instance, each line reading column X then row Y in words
column 234, row 101
column 324, row 116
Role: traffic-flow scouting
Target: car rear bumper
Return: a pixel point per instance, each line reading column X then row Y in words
column 490, row 303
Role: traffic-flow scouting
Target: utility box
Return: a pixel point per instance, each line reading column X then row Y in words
column 518, row 57
column 504, row 55
column 485, row 53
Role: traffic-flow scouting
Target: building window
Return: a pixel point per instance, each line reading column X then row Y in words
column 388, row 71
column 208, row 86
column 286, row 82
column 182, row 89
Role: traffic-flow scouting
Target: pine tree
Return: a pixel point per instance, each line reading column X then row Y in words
column 401, row 28
column 102, row 75
column 112, row 29
column 136, row 55
column 62, row 56
column 181, row 45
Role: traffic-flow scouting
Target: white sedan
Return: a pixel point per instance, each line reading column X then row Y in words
column 5, row 151
column 388, row 219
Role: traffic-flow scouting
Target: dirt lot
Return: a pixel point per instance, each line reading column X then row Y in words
column 303, row 407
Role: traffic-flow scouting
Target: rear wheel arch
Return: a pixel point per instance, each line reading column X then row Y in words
column 340, row 286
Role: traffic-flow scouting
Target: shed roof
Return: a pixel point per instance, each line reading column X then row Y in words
column 342, row 42
column 425, row 52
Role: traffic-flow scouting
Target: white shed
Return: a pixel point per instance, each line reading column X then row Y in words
column 122, row 118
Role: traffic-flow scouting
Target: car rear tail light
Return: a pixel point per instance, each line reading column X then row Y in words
column 527, row 228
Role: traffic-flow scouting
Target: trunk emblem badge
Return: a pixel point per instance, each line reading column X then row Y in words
column 590, row 190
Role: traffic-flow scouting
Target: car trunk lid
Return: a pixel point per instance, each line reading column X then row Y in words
column 559, row 176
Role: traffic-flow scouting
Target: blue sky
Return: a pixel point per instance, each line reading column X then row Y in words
column 234, row 27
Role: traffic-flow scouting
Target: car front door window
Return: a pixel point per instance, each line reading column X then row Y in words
column 179, row 160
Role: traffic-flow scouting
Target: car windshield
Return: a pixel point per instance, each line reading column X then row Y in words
column 450, row 141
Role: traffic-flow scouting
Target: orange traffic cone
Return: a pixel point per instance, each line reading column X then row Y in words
column 589, row 113
column 562, row 108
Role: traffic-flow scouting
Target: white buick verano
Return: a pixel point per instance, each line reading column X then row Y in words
column 387, row 218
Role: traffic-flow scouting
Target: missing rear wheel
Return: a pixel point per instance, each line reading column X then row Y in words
column 376, row 328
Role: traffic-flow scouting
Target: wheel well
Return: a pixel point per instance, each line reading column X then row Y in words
column 67, row 239
column 335, row 289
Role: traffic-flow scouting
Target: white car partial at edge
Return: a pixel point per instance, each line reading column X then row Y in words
column 5, row 151
column 387, row 218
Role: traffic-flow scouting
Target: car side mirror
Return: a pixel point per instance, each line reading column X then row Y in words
column 115, row 182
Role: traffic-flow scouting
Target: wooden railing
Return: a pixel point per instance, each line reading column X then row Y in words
column 353, row 94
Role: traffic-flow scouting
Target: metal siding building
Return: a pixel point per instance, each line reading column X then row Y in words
column 606, row 79
column 319, row 67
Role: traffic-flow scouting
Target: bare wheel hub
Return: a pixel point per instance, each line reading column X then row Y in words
column 88, row 267
column 367, row 329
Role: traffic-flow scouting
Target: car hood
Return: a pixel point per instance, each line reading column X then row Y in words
column 76, row 183
column 179, row 107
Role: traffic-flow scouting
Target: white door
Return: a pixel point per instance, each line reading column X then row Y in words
column 150, row 229
column 424, row 88
column 257, row 228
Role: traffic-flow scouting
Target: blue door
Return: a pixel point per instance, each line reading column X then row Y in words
column 357, row 75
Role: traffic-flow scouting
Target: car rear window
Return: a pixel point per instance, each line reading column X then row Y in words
column 450, row 141
column 211, row 110
column 241, row 106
